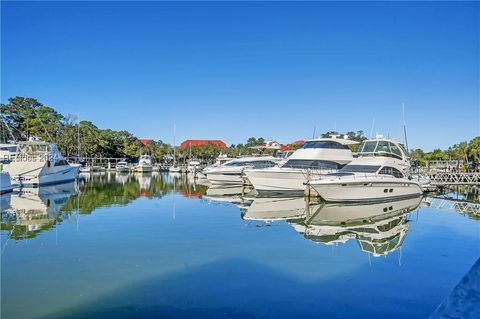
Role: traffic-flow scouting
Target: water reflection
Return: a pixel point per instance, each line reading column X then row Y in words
column 378, row 228
column 32, row 210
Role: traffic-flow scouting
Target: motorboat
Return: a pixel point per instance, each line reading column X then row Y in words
column 174, row 169
column 231, row 172
column 85, row 169
column 144, row 164
column 193, row 166
column 122, row 167
column 221, row 159
column 315, row 157
column 379, row 173
column 5, row 183
column 40, row 163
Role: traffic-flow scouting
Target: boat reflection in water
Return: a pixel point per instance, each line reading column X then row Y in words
column 233, row 194
column 32, row 210
column 379, row 228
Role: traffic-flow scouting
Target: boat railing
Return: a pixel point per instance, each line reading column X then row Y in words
column 354, row 176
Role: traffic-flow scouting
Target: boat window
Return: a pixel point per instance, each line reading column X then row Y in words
column 325, row 144
column 395, row 149
column 386, row 170
column 403, row 149
column 12, row 149
column 235, row 163
column 263, row 164
column 383, row 146
column 61, row 163
column 368, row 147
column 315, row 164
column 360, row 169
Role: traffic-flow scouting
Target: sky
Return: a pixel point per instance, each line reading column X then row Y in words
column 232, row 70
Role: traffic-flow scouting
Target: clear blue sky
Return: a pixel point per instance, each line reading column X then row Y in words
column 234, row 70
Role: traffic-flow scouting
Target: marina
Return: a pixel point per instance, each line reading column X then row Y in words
column 239, row 160
column 260, row 244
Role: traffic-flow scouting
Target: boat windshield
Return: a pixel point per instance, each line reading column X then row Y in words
column 43, row 150
column 360, row 169
column 314, row 164
column 325, row 144
column 255, row 164
column 383, row 148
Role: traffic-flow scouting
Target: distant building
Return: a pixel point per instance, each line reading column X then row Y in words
column 146, row 141
column 290, row 146
column 194, row 143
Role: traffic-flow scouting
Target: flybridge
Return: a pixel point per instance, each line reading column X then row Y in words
column 383, row 147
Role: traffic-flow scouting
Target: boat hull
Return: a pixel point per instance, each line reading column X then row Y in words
column 39, row 173
column 366, row 190
column 278, row 181
column 143, row 169
column 225, row 178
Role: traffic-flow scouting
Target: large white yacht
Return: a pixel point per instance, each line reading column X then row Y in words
column 40, row 163
column 144, row 164
column 317, row 156
column 231, row 172
column 379, row 173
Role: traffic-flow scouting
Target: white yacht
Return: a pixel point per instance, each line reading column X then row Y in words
column 193, row 166
column 317, row 156
column 144, row 164
column 40, row 163
column 122, row 167
column 379, row 173
column 85, row 169
column 231, row 172
column 5, row 183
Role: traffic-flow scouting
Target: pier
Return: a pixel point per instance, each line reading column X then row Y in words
column 454, row 178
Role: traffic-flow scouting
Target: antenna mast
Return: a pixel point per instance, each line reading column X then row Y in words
column 405, row 141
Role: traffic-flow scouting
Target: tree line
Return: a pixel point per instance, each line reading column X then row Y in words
column 26, row 117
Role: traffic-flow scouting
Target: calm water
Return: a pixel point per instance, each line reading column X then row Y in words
column 162, row 246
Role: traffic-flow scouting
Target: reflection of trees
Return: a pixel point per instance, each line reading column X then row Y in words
column 26, row 215
column 102, row 191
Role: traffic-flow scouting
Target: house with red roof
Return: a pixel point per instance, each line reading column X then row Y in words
column 194, row 143
column 146, row 141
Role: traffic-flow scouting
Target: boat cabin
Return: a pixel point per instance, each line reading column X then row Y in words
column 383, row 147
column 39, row 151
